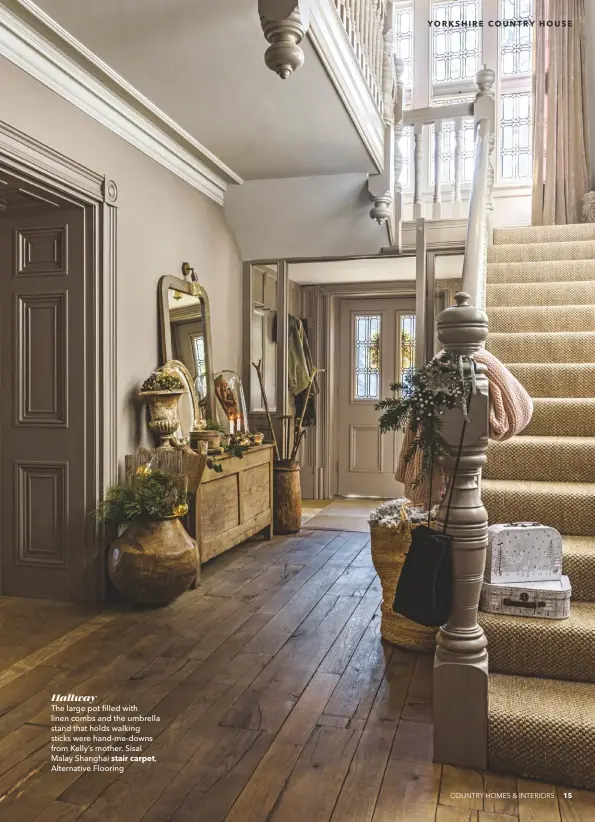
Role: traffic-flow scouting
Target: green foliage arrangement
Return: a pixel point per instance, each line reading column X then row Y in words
column 233, row 449
column 153, row 495
column 213, row 425
column 163, row 381
column 437, row 385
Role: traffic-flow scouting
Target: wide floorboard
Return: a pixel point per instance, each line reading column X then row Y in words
column 277, row 702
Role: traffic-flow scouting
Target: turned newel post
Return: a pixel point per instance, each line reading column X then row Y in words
column 461, row 660
column 284, row 23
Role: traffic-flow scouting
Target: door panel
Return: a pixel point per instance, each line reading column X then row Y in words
column 370, row 359
column 42, row 403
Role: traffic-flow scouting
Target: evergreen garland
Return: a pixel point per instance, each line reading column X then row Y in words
column 437, row 385
column 153, row 495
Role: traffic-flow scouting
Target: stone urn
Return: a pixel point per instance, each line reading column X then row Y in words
column 154, row 561
column 163, row 411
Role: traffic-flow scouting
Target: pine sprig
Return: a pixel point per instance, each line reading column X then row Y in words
column 153, row 494
column 420, row 405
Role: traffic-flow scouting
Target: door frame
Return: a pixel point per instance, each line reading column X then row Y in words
column 323, row 301
column 96, row 194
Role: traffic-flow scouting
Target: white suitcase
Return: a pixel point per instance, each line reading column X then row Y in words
column 523, row 552
column 549, row 600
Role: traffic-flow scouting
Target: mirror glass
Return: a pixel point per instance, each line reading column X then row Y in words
column 264, row 337
column 186, row 337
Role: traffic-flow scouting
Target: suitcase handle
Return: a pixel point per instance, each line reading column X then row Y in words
column 517, row 603
column 524, row 524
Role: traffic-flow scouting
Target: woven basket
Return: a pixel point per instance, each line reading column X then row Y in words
column 389, row 546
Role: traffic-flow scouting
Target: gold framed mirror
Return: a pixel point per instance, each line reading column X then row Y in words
column 185, row 321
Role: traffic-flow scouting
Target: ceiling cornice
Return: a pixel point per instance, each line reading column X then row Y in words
column 34, row 42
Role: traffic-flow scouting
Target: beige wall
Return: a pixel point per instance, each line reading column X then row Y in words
column 162, row 221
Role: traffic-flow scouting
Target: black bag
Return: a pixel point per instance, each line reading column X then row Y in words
column 424, row 589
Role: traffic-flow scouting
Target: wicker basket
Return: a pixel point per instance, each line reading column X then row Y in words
column 389, row 546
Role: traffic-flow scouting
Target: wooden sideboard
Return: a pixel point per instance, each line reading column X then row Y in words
column 236, row 504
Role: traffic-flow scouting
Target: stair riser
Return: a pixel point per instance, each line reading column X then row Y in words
column 555, row 380
column 542, row 462
column 543, row 251
column 556, row 271
column 544, row 234
column 530, row 294
column 528, row 319
column 580, row 568
column 543, row 347
column 568, row 515
column 523, row 647
column 562, row 418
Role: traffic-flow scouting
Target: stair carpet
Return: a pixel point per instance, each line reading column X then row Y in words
column 541, row 306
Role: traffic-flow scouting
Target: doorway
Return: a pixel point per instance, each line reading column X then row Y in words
column 57, row 370
column 375, row 349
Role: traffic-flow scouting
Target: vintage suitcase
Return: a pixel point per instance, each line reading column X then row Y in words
column 523, row 552
column 550, row 600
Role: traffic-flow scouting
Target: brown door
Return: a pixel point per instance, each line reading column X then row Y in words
column 43, row 521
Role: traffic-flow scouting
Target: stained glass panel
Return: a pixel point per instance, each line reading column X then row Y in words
column 515, row 136
column 406, row 351
column 198, row 343
column 456, row 51
column 403, row 32
column 367, row 357
column 516, row 41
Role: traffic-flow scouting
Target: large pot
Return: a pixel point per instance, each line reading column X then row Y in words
column 163, row 411
column 153, row 562
column 287, row 497
column 212, row 438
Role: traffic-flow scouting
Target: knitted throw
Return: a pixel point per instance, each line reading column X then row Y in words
column 511, row 409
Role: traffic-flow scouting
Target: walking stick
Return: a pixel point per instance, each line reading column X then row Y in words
column 258, row 367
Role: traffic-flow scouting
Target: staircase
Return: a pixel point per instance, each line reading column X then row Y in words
column 541, row 307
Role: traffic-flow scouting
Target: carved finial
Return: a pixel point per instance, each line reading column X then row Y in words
column 485, row 79
column 382, row 208
column 462, row 327
column 462, row 298
column 284, row 23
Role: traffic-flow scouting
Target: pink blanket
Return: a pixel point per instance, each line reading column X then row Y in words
column 511, row 409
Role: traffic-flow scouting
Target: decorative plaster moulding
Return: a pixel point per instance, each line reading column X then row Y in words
column 328, row 36
column 34, row 42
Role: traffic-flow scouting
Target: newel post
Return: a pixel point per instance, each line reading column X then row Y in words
column 284, row 23
column 461, row 660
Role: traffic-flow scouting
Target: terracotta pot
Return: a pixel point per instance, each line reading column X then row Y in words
column 153, row 562
column 163, row 410
column 212, row 438
column 287, row 497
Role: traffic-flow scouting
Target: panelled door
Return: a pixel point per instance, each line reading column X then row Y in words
column 375, row 345
column 43, row 521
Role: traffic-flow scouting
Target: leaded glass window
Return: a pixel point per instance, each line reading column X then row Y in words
column 406, row 351
column 455, row 51
column 198, row 346
column 405, row 143
column 515, row 136
column 403, row 32
column 448, row 145
column 367, row 357
column 515, row 41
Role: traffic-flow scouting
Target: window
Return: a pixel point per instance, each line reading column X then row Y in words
column 455, row 55
column 198, row 350
column 366, row 357
column 406, row 351
column 456, row 51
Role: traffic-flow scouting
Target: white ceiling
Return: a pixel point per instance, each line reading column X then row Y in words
column 202, row 63
column 380, row 269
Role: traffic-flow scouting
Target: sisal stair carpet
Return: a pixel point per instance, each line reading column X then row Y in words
column 541, row 307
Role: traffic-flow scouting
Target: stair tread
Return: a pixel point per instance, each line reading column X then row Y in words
column 582, row 617
column 541, row 271
column 542, row 487
column 548, row 233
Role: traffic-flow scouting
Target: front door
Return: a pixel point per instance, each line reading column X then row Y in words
column 43, row 372
column 375, row 344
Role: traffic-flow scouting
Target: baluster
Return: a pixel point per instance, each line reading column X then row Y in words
column 369, row 13
column 456, row 193
column 417, row 204
column 437, row 208
column 461, row 662
column 357, row 16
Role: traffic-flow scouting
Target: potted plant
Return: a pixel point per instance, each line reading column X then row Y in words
column 210, row 433
column 154, row 560
column 162, row 391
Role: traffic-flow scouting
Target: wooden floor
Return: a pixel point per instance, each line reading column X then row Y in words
column 277, row 702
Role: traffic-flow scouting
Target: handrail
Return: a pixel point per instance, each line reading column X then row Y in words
column 433, row 114
column 475, row 245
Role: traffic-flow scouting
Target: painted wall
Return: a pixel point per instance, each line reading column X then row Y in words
column 162, row 222
column 590, row 72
